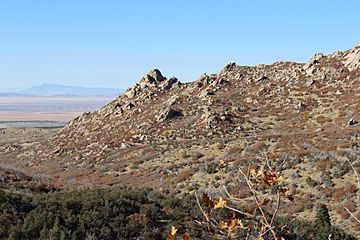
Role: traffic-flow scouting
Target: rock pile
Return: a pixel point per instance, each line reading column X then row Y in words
column 159, row 115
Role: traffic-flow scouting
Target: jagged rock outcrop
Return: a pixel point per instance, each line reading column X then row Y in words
column 314, row 61
column 168, row 114
column 352, row 58
column 163, row 133
column 138, row 135
column 150, row 83
column 205, row 103
column 169, row 83
column 151, row 79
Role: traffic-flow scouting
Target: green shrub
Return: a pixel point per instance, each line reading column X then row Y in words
column 126, row 213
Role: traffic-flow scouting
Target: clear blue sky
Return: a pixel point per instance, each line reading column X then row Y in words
column 113, row 43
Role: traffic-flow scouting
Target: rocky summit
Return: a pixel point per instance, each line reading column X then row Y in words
column 162, row 133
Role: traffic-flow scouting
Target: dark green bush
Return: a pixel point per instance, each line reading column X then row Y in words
column 212, row 168
column 125, row 213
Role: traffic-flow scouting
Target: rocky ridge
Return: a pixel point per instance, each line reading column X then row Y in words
column 171, row 135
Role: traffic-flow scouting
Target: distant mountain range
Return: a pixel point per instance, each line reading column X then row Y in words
column 49, row 89
column 13, row 94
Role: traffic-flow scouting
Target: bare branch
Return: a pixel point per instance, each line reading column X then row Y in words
column 238, row 211
column 267, row 224
column 358, row 183
column 276, row 208
column 352, row 215
column 267, row 161
column 356, row 174
column 206, row 216
column 231, row 196
column 201, row 209
column 283, row 162
column 262, row 234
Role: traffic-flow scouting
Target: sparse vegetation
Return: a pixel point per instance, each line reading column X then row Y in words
column 300, row 119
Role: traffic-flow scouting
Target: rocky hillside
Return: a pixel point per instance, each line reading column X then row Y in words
column 302, row 118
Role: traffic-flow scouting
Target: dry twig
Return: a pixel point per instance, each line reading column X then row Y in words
column 358, row 184
column 258, row 204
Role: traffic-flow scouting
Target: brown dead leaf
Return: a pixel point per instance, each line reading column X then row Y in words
column 186, row 236
column 231, row 224
column 172, row 234
column 265, row 201
column 220, row 203
column 214, row 203
column 208, row 201
column 271, row 179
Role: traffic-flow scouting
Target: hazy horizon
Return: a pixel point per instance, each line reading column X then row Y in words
column 19, row 90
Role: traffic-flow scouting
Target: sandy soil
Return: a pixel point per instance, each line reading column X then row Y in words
column 38, row 116
column 25, row 136
column 48, row 108
column 69, row 99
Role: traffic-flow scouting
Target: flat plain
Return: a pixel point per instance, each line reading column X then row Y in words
column 59, row 108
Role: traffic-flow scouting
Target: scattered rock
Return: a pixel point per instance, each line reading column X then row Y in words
column 262, row 79
column 219, row 82
column 233, row 105
column 168, row 84
column 142, row 138
column 156, row 75
column 131, row 93
column 129, row 106
column 314, row 61
column 147, row 81
column 228, row 67
column 125, row 145
column 203, row 80
column 353, row 122
column 152, row 79
column 59, row 151
column 172, row 101
column 205, row 93
column 309, row 83
column 168, row 114
column 352, row 61
column 117, row 105
column 263, row 90
column 211, row 119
